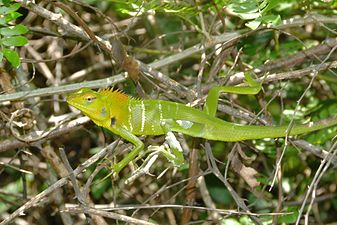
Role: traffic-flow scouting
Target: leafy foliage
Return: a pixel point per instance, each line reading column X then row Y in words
column 10, row 35
column 258, row 12
column 135, row 7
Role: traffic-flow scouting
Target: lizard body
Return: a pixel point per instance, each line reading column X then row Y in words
column 129, row 117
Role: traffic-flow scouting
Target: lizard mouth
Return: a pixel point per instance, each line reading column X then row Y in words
column 77, row 105
column 91, row 113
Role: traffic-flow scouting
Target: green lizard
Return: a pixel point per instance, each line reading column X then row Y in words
column 129, row 117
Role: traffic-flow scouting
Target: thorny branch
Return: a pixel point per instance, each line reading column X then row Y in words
column 35, row 200
column 83, row 33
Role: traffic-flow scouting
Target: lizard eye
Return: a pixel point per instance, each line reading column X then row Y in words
column 90, row 98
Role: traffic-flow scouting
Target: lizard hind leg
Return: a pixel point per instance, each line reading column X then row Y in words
column 194, row 129
column 171, row 150
column 174, row 152
column 211, row 104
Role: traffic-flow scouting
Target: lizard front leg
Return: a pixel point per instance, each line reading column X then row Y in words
column 174, row 153
column 138, row 147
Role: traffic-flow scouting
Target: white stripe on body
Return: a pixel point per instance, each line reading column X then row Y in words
column 143, row 116
column 160, row 113
column 177, row 106
column 130, row 117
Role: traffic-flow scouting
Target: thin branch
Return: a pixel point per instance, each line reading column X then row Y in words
column 35, row 200
column 70, row 127
column 110, row 81
column 193, row 174
column 110, row 208
column 79, row 194
column 325, row 164
column 215, row 170
column 316, row 150
column 300, row 73
column 111, row 215
column 228, row 39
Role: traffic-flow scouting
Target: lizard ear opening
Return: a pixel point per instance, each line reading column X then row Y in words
column 112, row 121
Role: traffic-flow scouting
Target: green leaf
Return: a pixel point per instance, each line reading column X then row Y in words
column 1, row 56
column 263, row 4
column 9, row 17
column 271, row 4
column 271, row 19
column 5, row 2
column 14, row 41
column 220, row 194
column 253, row 24
column 12, row 57
column 12, row 8
column 13, row 30
column 246, row 10
column 244, row 7
column 3, row 21
column 230, row 221
column 3, row 10
column 248, row 16
column 289, row 218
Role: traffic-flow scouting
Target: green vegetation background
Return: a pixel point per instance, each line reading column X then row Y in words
column 150, row 31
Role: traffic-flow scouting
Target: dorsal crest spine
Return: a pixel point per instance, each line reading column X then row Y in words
column 114, row 94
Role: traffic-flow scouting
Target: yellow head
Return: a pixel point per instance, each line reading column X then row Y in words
column 92, row 104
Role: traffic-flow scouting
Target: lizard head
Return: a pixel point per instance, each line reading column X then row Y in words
column 91, row 104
